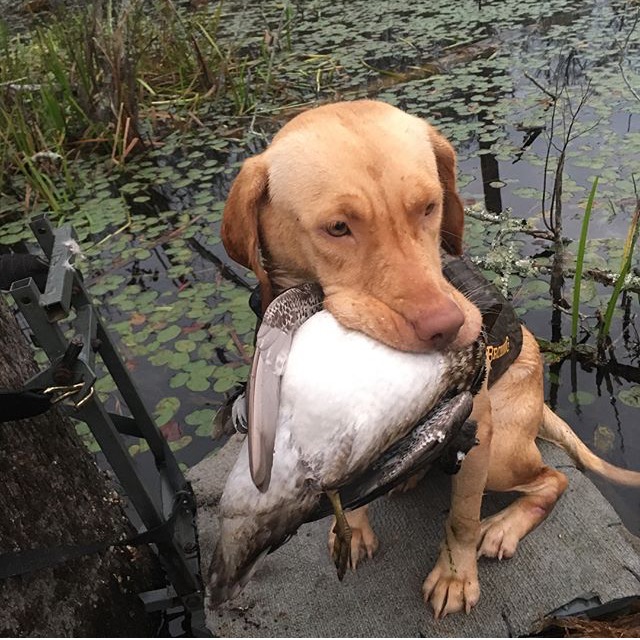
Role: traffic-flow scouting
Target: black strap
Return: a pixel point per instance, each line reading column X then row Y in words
column 18, row 563
column 16, row 405
column 501, row 325
column 22, row 562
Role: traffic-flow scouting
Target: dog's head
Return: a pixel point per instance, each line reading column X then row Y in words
column 360, row 197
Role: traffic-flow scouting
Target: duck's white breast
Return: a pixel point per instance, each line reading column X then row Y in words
column 340, row 388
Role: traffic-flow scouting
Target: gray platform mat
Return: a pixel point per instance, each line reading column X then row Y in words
column 582, row 555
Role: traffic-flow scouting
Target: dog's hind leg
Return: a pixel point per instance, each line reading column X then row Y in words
column 364, row 542
column 540, row 485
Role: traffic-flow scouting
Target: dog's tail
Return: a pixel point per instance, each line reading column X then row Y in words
column 556, row 430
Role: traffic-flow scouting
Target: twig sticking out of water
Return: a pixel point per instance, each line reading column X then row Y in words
column 623, row 53
column 553, row 96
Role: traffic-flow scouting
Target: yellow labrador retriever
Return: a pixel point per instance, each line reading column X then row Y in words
column 360, row 197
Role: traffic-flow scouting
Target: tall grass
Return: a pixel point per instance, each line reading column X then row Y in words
column 575, row 311
column 100, row 75
column 625, row 267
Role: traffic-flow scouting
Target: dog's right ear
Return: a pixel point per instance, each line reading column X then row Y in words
column 452, row 207
column 240, row 232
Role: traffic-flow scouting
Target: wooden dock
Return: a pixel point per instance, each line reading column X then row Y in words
column 581, row 558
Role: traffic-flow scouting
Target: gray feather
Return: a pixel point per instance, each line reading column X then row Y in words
column 283, row 316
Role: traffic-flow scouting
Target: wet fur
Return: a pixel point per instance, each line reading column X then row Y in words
column 391, row 178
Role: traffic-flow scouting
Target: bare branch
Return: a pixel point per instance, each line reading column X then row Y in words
column 623, row 53
column 546, row 91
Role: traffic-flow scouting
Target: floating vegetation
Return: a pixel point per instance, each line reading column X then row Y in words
column 141, row 161
column 117, row 75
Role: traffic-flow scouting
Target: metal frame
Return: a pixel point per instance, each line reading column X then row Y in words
column 171, row 501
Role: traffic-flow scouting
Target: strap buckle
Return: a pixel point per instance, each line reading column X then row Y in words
column 60, row 393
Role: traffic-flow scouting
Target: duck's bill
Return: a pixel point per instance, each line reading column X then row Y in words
column 444, row 437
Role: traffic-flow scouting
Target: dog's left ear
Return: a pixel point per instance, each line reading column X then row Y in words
column 452, row 208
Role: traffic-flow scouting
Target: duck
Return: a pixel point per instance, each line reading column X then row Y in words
column 335, row 418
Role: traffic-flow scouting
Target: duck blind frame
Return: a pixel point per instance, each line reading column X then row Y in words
column 162, row 510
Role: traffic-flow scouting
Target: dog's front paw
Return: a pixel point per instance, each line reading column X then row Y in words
column 452, row 585
column 364, row 542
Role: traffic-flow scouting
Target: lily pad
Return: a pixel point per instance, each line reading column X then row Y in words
column 176, row 445
column 202, row 420
column 166, row 409
column 169, row 333
column 198, row 383
column 631, row 396
column 581, row 398
column 185, row 346
column 603, row 439
column 179, row 380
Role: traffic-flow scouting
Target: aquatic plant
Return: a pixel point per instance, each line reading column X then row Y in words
column 148, row 215
column 577, row 279
column 625, row 268
column 118, row 75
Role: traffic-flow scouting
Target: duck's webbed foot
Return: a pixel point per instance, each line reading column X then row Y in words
column 341, row 552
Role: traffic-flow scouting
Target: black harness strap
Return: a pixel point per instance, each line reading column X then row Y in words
column 16, row 405
column 501, row 325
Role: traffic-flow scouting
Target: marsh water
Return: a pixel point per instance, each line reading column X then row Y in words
column 509, row 83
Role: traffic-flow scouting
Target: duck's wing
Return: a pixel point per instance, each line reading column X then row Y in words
column 283, row 316
column 445, row 434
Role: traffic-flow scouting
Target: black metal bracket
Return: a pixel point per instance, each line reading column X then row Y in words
column 72, row 374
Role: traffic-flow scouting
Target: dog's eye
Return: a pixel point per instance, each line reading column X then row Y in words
column 338, row 228
column 429, row 208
